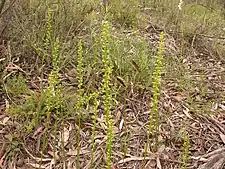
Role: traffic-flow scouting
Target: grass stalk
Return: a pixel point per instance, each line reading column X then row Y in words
column 186, row 149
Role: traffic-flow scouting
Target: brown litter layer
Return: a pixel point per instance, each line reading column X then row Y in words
column 206, row 133
column 208, row 78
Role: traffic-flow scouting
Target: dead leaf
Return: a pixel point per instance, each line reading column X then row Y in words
column 114, row 167
column 36, row 158
column 121, row 80
column 39, row 130
column 118, row 116
column 38, row 165
column 51, row 153
column 133, row 158
column 215, row 107
column 222, row 136
column 74, row 152
column 55, row 155
column 5, row 120
column 6, row 105
column 214, row 162
column 121, row 124
column 14, row 67
column 66, row 135
column 186, row 112
column 2, row 160
column 158, row 163
column 137, row 68
column 2, row 59
column 222, row 106
column 161, row 149
column 178, row 97
column 151, row 163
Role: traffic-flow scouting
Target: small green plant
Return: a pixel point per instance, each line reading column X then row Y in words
column 54, row 98
column 186, row 149
column 16, row 86
column 124, row 140
column 96, row 105
column 106, row 90
column 80, row 95
column 154, row 120
column 48, row 35
column 80, row 68
column 13, row 148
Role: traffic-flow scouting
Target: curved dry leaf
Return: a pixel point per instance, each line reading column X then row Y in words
column 158, row 163
column 39, row 130
column 136, row 66
column 186, row 112
column 5, row 120
column 66, row 133
column 134, row 159
column 222, row 106
column 2, row 160
column 36, row 158
column 215, row 162
column 121, row 124
column 121, row 80
column 2, row 59
column 74, row 152
column 178, row 97
column 222, row 136
column 38, row 165
column 6, row 105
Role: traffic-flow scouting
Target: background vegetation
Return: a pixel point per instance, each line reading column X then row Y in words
column 110, row 83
